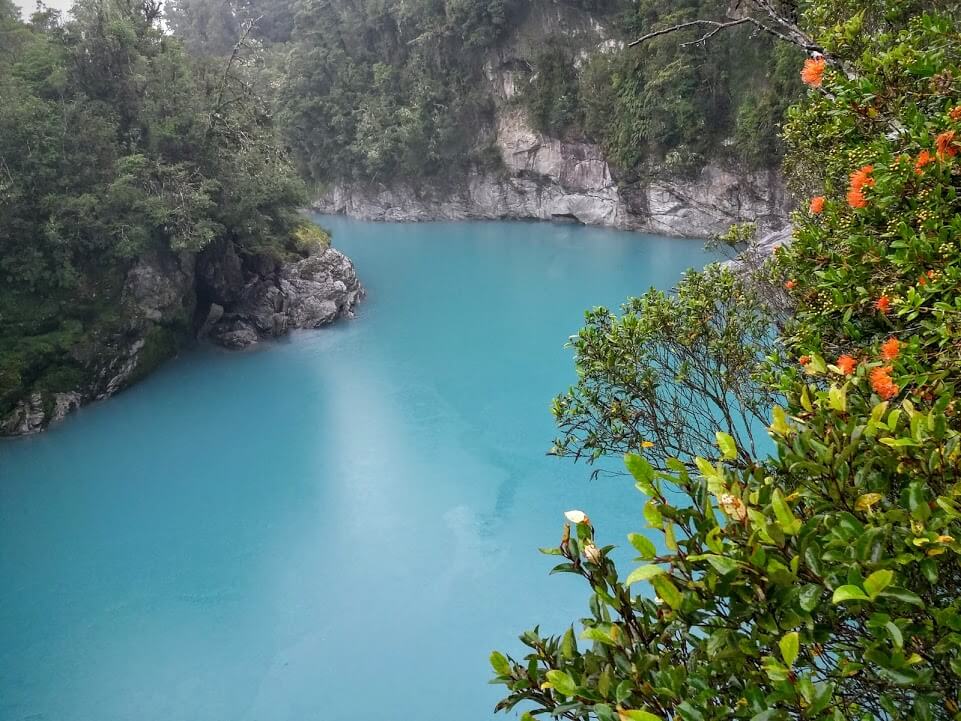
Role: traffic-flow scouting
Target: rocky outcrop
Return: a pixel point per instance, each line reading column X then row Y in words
column 309, row 293
column 166, row 299
column 699, row 207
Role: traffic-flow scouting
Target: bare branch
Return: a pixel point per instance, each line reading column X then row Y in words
column 783, row 29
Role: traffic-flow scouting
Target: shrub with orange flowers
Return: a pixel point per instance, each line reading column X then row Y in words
column 817, row 204
column 815, row 578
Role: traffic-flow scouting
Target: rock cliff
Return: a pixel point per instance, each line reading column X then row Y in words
column 552, row 178
column 169, row 299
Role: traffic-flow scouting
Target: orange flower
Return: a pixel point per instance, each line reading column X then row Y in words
column 955, row 113
column 882, row 384
column 924, row 158
column 883, row 304
column 790, row 284
column 890, row 348
column 804, row 360
column 922, row 280
column 817, row 204
column 846, row 364
column 813, row 72
column 945, row 145
column 860, row 179
column 856, row 199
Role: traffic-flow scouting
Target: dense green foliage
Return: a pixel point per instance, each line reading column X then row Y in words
column 821, row 581
column 377, row 90
column 114, row 145
column 722, row 99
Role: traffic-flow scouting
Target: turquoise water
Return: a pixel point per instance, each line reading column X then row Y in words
column 337, row 526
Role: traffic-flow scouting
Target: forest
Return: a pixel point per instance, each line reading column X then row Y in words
column 377, row 90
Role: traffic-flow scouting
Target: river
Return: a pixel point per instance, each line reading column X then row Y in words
column 338, row 526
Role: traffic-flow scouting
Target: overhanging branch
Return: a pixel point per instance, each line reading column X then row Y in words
column 778, row 26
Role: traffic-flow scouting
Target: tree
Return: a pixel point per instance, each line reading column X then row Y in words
column 822, row 581
column 663, row 376
column 115, row 145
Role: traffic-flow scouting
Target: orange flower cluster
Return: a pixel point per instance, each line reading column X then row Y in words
column 813, row 72
column 924, row 158
column 860, row 179
column 923, row 280
column 882, row 384
column 804, row 360
column 790, row 284
column 847, row 365
column 890, row 349
column 883, row 305
column 955, row 113
column 945, row 145
column 817, row 204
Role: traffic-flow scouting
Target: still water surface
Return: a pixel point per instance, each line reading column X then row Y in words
column 339, row 526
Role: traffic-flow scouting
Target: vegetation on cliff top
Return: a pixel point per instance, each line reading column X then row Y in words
column 115, row 145
column 382, row 89
column 822, row 580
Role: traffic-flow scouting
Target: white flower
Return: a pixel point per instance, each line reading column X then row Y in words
column 576, row 516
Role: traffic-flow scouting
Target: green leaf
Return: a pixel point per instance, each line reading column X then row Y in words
column 652, row 514
column 790, row 645
column 642, row 471
column 645, row 547
column 561, row 682
column 500, row 664
column 785, row 517
column 722, row 564
column 877, row 582
column 809, row 597
column 780, row 425
column 838, row 399
column 629, row 715
column 643, row 573
column 727, row 445
column 848, row 593
column 599, row 635
column 903, row 595
column 667, row 591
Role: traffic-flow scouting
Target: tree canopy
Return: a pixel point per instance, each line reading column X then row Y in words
column 115, row 144
column 820, row 580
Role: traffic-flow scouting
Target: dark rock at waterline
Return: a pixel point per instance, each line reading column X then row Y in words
column 167, row 299
column 308, row 293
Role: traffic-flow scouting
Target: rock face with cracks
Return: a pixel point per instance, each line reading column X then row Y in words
column 309, row 293
column 168, row 299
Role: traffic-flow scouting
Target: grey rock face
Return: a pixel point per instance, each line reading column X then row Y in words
column 309, row 293
column 27, row 417
column 578, row 189
column 157, row 287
